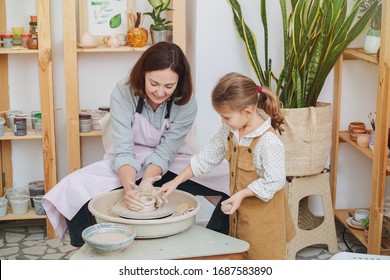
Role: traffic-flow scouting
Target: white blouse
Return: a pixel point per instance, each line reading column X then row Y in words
column 269, row 157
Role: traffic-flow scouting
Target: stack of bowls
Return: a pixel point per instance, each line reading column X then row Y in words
column 356, row 128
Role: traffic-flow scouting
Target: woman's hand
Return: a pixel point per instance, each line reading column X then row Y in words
column 131, row 199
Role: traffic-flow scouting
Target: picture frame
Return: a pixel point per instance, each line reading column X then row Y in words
column 103, row 18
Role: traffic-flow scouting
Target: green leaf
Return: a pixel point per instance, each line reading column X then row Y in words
column 116, row 21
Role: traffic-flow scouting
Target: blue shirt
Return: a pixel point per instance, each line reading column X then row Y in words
column 123, row 107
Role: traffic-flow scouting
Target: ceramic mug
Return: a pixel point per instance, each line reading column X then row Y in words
column 111, row 41
column 363, row 140
column 360, row 214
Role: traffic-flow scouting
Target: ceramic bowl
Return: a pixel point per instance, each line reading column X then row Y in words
column 109, row 238
column 360, row 214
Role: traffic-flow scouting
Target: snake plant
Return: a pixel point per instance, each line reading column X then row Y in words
column 315, row 34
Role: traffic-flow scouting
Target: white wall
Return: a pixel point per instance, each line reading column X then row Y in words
column 213, row 49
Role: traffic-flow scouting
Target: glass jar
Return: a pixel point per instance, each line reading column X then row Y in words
column 32, row 43
column 33, row 27
column 7, row 40
column 38, row 123
column 85, row 122
column 25, row 37
column 20, row 124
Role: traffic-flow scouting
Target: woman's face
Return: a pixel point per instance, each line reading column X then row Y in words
column 160, row 85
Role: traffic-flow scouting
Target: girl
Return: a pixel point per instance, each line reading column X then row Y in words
column 257, row 206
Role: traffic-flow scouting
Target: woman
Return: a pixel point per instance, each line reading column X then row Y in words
column 151, row 114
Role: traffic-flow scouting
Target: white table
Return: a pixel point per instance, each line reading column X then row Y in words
column 195, row 243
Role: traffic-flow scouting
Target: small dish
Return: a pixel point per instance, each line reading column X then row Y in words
column 352, row 225
column 109, row 238
column 87, row 46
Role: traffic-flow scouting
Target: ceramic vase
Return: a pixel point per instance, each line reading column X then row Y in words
column 372, row 41
column 137, row 37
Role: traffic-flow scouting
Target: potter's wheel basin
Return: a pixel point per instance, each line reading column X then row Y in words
column 101, row 208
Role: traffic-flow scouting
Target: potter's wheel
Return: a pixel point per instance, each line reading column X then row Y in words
column 121, row 210
column 102, row 208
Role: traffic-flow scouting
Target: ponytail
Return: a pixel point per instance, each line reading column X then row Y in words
column 270, row 103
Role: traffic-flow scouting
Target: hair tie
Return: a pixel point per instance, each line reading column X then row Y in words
column 259, row 89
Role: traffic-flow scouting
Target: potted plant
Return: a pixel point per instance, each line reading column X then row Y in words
column 161, row 28
column 315, row 34
column 366, row 225
column 372, row 40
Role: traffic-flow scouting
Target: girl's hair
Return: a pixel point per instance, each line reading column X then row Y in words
column 161, row 56
column 238, row 91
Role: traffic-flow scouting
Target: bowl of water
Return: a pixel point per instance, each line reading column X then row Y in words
column 108, row 238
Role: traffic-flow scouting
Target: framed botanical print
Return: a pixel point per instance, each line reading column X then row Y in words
column 104, row 17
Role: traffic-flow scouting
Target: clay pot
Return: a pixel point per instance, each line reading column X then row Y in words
column 363, row 140
column 356, row 128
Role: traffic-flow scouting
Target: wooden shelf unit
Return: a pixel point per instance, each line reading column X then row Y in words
column 71, row 51
column 380, row 163
column 44, row 59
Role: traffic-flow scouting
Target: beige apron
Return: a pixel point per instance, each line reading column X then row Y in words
column 266, row 226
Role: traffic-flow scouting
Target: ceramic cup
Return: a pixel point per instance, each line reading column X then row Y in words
column 363, row 140
column 38, row 207
column 19, row 206
column 3, row 207
column 2, row 122
column 87, row 39
column 360, row 214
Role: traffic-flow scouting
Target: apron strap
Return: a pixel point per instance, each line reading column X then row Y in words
column 140, row 106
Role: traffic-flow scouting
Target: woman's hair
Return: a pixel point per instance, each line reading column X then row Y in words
column 161, row 56
column 238, row 91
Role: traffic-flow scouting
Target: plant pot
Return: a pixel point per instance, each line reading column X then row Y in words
column 307, row 137
column 137, row 37
column 372, row 41
column 161, row 36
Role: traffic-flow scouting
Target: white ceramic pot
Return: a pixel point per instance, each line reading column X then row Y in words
column 372, row 41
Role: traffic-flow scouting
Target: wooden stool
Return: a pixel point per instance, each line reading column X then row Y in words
column 311, row 229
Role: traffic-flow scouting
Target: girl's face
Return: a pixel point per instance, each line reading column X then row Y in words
column 232, row 118
column 160, row 85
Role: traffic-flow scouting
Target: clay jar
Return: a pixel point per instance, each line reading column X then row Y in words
column 363, row 140
column 149, row 202
column 356, row 128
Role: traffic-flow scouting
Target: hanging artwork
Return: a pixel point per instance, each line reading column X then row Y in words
column 106, row 17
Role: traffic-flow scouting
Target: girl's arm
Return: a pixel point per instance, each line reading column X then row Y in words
column 170, row 186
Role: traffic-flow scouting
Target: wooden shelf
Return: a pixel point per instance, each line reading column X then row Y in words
column 10, row 135
column 92, row 133
column 102, row 48
column 359, row 54
column 23, row 51
column 379, row 156
column 344, row 137
column 30, row 215
column 44, row 68
column 343, row 214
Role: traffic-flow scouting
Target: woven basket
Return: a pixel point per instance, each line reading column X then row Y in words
column 307, row 138
column 137, row 37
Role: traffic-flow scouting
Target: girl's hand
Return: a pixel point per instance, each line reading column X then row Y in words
column 167, row 189
column 230, row 205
